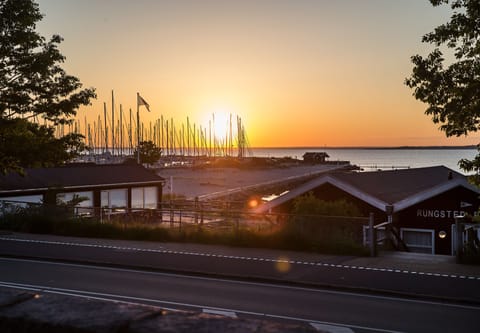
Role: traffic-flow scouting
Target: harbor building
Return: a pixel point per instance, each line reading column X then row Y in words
column 112, row 187
column 421, row 204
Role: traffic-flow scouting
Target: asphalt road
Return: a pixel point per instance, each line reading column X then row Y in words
column 256, row 267
column 358, row 312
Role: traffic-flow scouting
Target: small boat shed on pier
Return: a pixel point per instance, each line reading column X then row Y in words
column 315, row 157
column 422, row 203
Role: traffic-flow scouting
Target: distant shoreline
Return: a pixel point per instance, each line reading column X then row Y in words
column 372, row 147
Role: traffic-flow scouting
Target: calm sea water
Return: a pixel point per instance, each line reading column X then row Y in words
column 372, row 159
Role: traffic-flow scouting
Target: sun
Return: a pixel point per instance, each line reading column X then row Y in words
column 221, row 124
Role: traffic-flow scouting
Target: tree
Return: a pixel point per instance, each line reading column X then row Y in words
column 149, row 152
column 33, row 89
column 451, row 89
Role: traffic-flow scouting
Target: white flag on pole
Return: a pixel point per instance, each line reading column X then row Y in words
column 141, row 101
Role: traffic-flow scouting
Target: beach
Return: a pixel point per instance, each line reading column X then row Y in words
column 193, row 182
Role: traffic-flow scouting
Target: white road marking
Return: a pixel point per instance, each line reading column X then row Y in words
column 294, row 262
column 229, row 314
column 69, row 293
column 330, row 328
column 120, row 298
column 238, row 282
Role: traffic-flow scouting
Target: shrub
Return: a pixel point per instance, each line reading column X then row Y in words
column 328, row 227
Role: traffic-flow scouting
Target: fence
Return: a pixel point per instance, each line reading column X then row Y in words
column 211, row 219
column 467, row 241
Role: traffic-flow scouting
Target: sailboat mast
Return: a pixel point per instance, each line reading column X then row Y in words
column 113, row 126
column 188, row 136
column 105, row 120
column 230, row 145
column 121, row 131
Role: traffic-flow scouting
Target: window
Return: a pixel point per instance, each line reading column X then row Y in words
column 84, row 207
column 150, row 197
column 137, row 197
column 144, row 197
column 116, row 199
column 25, row 199
column 87, row 198
column 10, row 204
column 419, row 240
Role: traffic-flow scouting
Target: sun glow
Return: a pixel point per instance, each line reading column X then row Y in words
column 221, row 124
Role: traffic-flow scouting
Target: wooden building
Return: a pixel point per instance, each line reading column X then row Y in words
column 315, row 157
column 421, row 203
column 116, row 186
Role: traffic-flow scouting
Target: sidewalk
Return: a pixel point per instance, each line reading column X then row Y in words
column 413, row 262
column 418, row 262
column 392, row 273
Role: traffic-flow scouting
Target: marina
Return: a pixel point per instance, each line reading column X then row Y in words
column 116, row 132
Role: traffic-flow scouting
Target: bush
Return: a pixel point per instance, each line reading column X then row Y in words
column 310, row 205
column 327, row 227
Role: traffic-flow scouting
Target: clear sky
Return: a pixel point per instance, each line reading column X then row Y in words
column 298, row 73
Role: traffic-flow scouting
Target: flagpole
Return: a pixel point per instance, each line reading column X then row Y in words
column 138, row 130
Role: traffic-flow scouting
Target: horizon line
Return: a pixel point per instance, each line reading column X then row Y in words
column 371, row 147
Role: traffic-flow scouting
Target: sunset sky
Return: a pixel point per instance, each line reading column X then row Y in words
column 298, row 73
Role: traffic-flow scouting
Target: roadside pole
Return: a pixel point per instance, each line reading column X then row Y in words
column 372, row 236
column 459, row 226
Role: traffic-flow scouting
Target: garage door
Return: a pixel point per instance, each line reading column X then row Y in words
column 419, row 240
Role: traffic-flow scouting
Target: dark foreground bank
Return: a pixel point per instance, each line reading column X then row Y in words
column 30, row 311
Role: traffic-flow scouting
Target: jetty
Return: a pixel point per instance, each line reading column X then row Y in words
column 271, row 186
column 232, row 184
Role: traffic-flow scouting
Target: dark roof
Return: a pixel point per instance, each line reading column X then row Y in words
column 394, row 185
column 78, row 175
column 398, row 188
column 315, row 154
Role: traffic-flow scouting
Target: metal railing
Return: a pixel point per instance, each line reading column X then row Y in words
column 216, row 216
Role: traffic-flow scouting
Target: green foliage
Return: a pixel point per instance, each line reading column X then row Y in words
column 26, row 144
column 471, row 248
column 327, row 227
column 33, row 89
column 339, row 236
column 305, row 232
column 310, row 205
column 149, row 152
column 35, row 218
column 452, row 90
column 473, row 167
